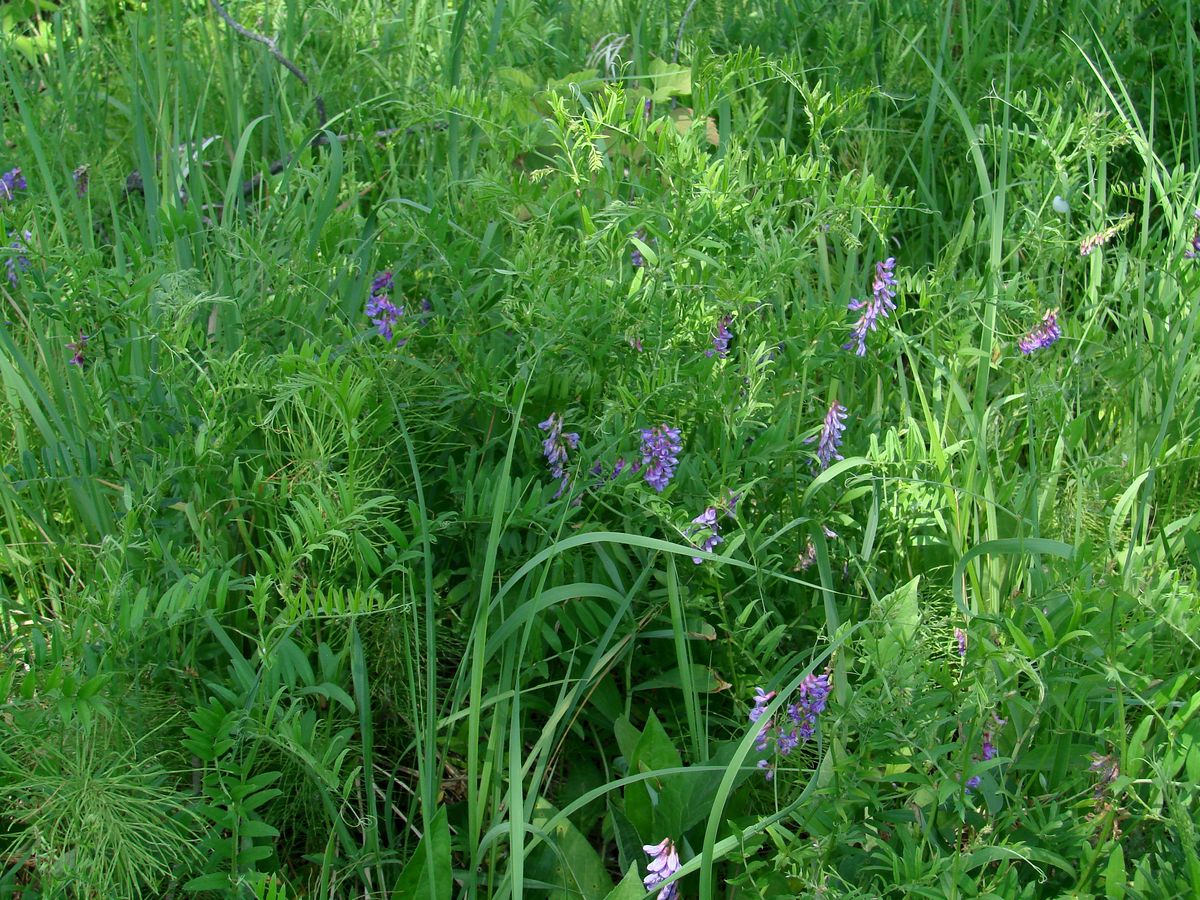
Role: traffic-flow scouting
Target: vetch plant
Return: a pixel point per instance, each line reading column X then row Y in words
column 883, row 296
column 664, row 862
column 1042, row 335
column 661, row 446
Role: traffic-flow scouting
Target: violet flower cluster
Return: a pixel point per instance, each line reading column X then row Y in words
column 661, row 447
column 81, row 178
column 555, row 447
column 1194, row 253
column 383, row 313
column 1043, row 335
column 988, row 751
column 882, row 300
column 721, row 338
column 635, row 255
column 664, row 862
column 17, row 261
column 11, row 182
column 813, row 697
column 831, row 435
column 960, row 637
column 705, row 524
column 78, row 348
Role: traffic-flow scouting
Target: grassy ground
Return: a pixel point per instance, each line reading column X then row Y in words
column 357, row 450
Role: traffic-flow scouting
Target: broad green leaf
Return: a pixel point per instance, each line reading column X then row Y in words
column 415, row 882
column 669, row 80
column 567, row 860
column 630, row 888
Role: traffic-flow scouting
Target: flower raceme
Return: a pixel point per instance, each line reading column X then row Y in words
column 661, row 447
column 383, row 313
column 11, row 182
column 812, row 698
column 883, row 295
column 555, row 447
column 831, row 435
column 1043, row 335
column 664, row 862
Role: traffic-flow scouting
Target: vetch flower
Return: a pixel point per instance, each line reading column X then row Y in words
column 1100, row 238
column 383, row 313
column 17, row 261
column 831, row 435
column 761, row 700
column 664, row 862
column 706, row 521
column 660, row 454
column 721, row 338
column 80, row 175
column 79, row 348
column 960, row 637
column 1195, row 251
column 11, row 182
column 635, row 255
column 883, row 295
column 1043, row 335
column 555, row 447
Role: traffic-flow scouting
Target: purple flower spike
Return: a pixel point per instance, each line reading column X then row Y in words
column 79, row 348
column 761, row 700
column 1195, row 251
column 831, row 435
column 635, row 255
column 17, row 261
column 721, row 338
column 383, row 313
column 960, row 637
column 664, row 862
column 660, row 455
column 706, row 521
column 81, row 177
column 555, row 447
column 883, row 295
column 1042, row 336
column 11, row 182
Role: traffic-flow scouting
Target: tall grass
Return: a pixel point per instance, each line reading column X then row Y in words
column 289, row 607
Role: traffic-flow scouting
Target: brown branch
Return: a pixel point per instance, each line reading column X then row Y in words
column 273, row 49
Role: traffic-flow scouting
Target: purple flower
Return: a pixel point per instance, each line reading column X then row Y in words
column 660, row 454
column 81, row 180
column 664, row 862
column 729, row 503
column 17, row 260
column 721, row 338
column 788, row 741
column 79, row 347
column 882, row 296
column 1043, row 335
column 11, row 182
column 831, row 435
column 383, row 313
column 647, row 106
column 1195, row 251
column 555, row 446
column 617, row 468
column 973, row 782
column 768, row 769
column 961, row 637
column 761, row 700
column 706, row 521
column 635, row 254
column 989, row 749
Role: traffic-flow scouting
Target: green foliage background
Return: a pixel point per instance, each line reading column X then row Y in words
column 289, row 610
